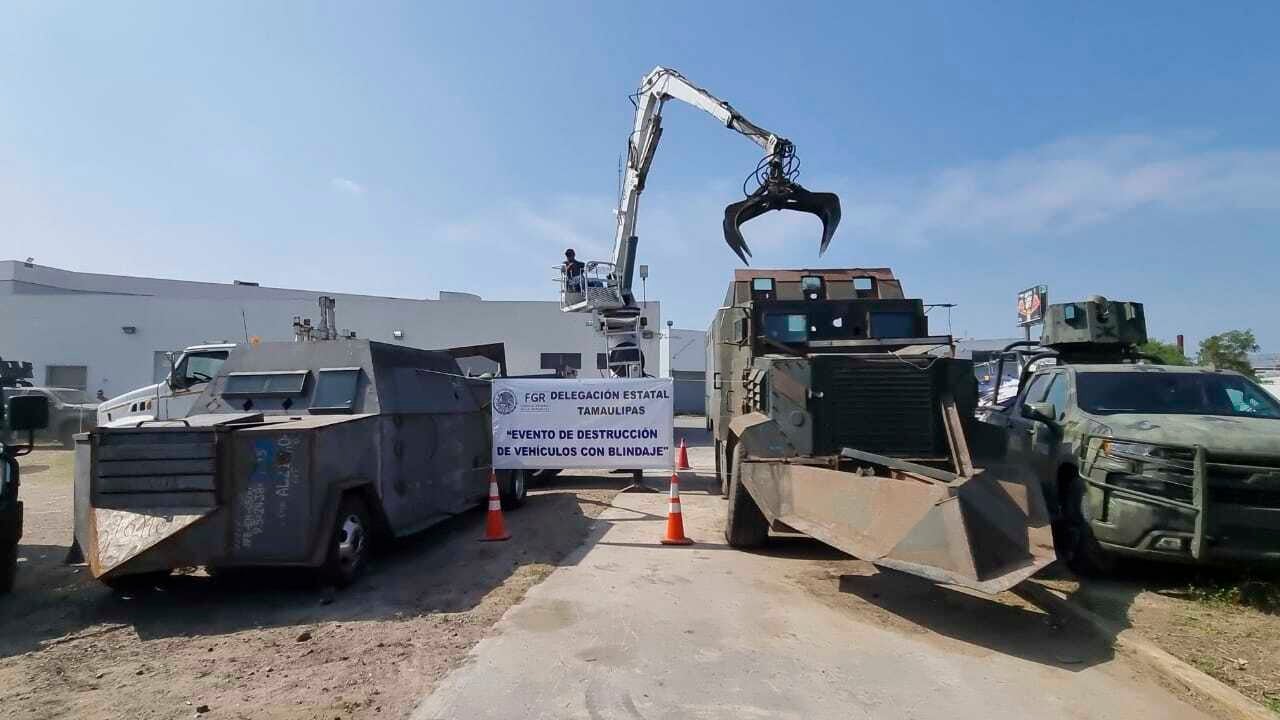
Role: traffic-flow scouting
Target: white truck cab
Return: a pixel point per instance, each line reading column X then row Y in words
column 169, row 399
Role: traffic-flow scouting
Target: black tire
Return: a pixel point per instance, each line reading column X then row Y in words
column 350, row 543
column 1084, row 555
column 136, row 582
column 513, row 488
column 541, row 477
column 745, row 525
column 8, row 565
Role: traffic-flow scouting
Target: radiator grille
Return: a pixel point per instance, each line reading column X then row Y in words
column 882, row 406
column 158, row 468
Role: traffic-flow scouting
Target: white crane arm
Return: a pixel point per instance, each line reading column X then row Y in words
column 657, row 87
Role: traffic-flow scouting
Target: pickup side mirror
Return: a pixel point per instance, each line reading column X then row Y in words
column 27, row 412
column 1044, row 412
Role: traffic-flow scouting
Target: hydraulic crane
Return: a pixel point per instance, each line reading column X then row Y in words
column 603, row 288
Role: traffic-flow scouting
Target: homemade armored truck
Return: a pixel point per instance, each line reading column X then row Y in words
column 836, row 414
column 1141, row 459
column 294, row 454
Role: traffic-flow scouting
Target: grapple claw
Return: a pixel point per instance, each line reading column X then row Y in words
column 780, row 195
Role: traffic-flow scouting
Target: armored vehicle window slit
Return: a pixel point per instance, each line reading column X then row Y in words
column 812, row 287
column 762, row 289
column 786, row 327
column 885, row 324
column 265, row 384
column 335, row 390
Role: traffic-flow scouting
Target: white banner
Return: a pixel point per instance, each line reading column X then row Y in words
column 610, row 424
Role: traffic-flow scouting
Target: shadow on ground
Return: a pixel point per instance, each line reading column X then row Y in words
column 441, row 570
column 1113, row 596
column 1009, row 629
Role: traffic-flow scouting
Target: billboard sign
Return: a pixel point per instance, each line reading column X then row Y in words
column 1031, row 304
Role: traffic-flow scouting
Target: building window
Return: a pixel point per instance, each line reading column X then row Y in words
column 602, row 361
column 67, row 376
column 559, row 361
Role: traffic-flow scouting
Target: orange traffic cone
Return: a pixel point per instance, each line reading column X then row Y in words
column 494, row 527
column 675, row 521
column 682, row 457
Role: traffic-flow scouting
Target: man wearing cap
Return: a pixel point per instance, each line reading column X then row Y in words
column 572, row 269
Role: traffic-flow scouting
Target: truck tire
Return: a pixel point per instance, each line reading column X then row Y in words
column 8, row 565
column 513, row 488
column 745, row 525
column 542, row 476
column 350, row 543
column 1083, row 553
column 136, row 582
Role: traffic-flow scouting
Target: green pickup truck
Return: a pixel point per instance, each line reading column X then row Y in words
column 1149, row 460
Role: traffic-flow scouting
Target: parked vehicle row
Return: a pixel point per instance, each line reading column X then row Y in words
column 1141, row 459
column 838, row 415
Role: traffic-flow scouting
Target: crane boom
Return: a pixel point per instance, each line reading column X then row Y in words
column 660, row 85
column 610, row 297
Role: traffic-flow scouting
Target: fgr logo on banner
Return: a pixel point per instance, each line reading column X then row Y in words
column 614, row 423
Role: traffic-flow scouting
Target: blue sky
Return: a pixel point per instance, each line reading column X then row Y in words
column 1128, row 149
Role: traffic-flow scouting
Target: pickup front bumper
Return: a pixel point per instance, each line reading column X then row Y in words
column 1183, row 504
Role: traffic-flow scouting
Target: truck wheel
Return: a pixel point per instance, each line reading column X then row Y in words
column 8, row 565
column 350, row 543
column 513, row 488
column 136, row 582
column 745, row 526
column 542, row 476
column 1084, row 555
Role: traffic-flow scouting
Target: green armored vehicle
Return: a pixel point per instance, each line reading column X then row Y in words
column 836, row 414
column 1142, row 459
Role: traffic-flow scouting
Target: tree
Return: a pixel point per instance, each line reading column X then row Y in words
column 1229, row 351
column 1166, row 353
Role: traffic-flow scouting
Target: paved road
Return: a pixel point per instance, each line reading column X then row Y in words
column 631, row 629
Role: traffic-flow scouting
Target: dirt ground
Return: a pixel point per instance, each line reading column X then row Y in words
column 268, row 644
column 272, row 645
column 1224, row 623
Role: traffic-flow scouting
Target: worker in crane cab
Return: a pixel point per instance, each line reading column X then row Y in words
column 572, row 270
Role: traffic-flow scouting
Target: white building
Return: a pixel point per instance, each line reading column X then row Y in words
column 684, row 360
column 110, row 333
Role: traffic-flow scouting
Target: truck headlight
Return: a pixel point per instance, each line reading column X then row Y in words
column 1131, row 450
column 1152, row 469
column 1160, row 486
column 1122, row 457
